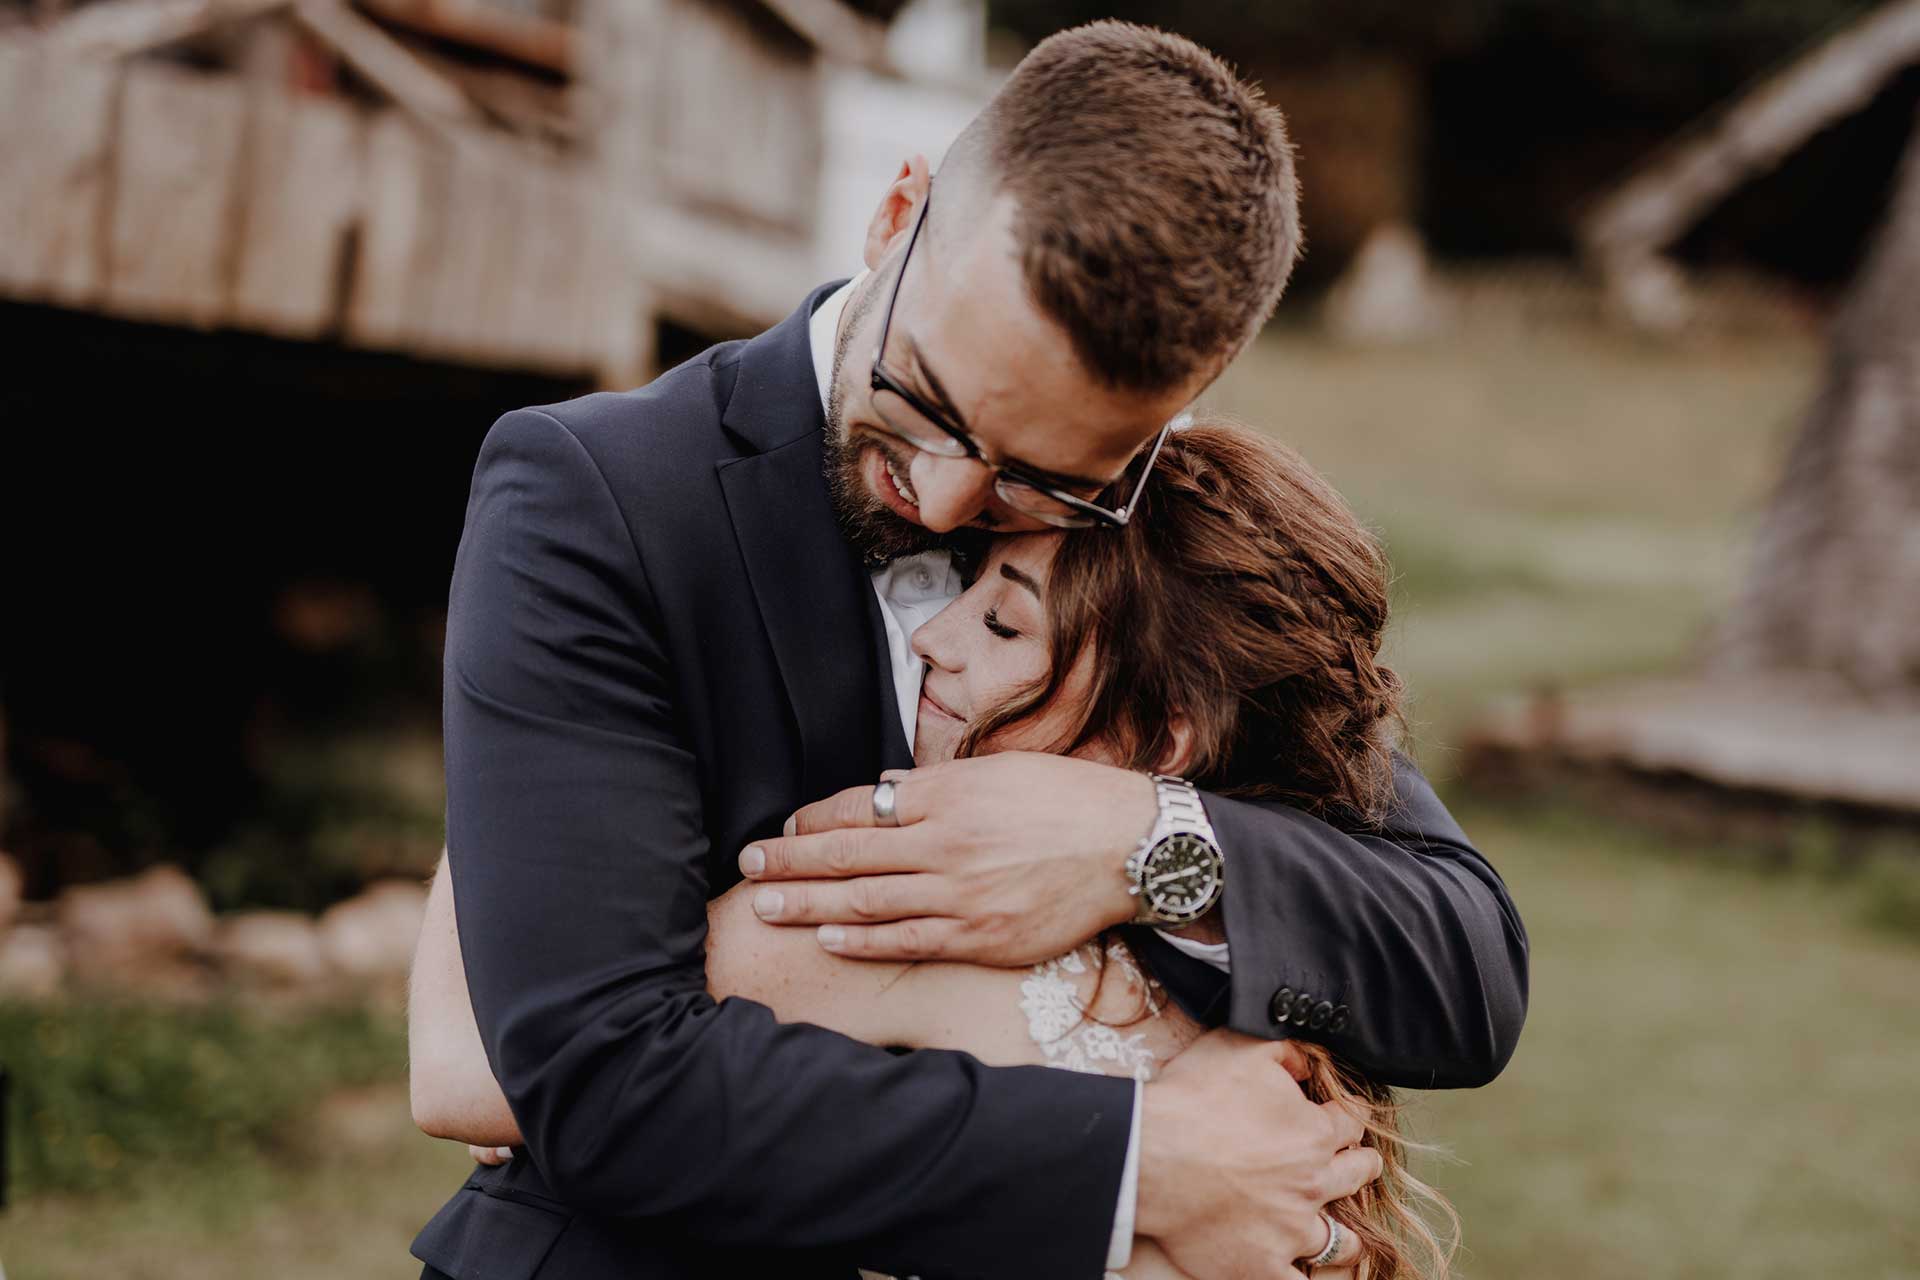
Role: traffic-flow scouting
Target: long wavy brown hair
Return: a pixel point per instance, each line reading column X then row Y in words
column 1247, row 603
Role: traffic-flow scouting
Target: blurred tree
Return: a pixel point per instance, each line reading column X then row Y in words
column 1835, row 585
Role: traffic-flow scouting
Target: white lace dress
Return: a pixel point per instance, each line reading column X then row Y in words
column 1058, row 1021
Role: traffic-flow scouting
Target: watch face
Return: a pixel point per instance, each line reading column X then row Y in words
column 1181, row 875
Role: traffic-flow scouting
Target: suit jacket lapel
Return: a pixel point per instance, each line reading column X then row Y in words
column 812, row 593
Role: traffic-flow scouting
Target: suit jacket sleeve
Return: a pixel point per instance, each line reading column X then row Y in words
column 1405, row 940
column 578, row 854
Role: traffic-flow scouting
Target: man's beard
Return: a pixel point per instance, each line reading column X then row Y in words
column 873, row 529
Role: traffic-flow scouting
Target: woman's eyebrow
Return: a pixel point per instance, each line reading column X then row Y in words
column 1018, row 578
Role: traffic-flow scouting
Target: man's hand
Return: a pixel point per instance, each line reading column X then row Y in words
column 1236, row 1164
column 1006, row 859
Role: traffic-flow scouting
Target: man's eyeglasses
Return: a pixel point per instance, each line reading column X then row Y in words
column 911, row 419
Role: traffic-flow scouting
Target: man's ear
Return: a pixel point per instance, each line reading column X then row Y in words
column 894, row 218
column 1179, row 756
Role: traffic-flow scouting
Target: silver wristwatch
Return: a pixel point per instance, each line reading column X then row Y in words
column 1177, row 873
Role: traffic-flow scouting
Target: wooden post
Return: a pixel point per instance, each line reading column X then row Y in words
column 1835, row 584
column 302, row 196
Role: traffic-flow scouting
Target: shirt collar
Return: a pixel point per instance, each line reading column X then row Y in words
column 823, row 334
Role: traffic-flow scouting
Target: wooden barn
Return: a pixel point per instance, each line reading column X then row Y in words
column 528, row 184
column 269, row 269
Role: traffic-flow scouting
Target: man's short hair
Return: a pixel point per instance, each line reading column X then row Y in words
column 1158, row 212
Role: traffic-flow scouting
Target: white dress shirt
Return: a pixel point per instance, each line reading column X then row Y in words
column 911, row 590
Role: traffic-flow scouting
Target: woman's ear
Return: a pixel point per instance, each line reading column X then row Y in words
column 894, row 218
column 1178, row 757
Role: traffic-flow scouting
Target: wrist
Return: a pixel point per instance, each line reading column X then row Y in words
column 1176, row 873
column 1133, row 811
column 1209, row 928
column 1154, row 1212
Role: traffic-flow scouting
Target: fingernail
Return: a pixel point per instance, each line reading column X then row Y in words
column 505, row 1153
column 767, row 903
column 753, row 861
column 791, row 825
column 832, row 935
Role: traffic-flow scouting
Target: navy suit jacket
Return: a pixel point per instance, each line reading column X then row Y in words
column 659, row 646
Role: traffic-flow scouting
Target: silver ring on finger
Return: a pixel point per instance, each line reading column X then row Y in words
column 1332, row 1250
column 885, row 796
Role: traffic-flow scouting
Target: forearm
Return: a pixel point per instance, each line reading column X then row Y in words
column 453, row 1090
column 1409, row 931
column 455, row 1095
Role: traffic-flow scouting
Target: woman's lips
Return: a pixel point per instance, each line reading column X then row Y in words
column 930, row 703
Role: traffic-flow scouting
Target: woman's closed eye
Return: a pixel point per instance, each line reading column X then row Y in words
column 991, row 619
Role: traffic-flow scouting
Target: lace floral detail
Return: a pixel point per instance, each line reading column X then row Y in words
column 1058, row 1022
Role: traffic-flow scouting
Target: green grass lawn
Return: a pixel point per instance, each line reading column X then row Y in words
column 1716, row 1077
column 1717, row 1074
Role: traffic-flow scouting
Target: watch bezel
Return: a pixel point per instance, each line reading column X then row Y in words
column 1153, row 907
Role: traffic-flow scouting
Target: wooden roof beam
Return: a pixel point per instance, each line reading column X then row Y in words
column 840, row 33
column 524, row 37
column 414, row 86
column 1666, row 196
column 121, row 28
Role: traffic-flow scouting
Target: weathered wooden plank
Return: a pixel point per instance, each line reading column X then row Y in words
column 302, row 194
column 56, row 125
column 510, row 228
column 122, row 28
column 578, row 256
column 406, row 192
column 177, row 163
column 473, row 252
column 771, row 137
column 709, row 267
column 1656, row 206
column 556, row 266
column 532, row 31
column 387, row 64
column 475, row 236
column 1795, row 735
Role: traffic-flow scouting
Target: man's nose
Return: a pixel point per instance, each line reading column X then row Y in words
column 952, row 491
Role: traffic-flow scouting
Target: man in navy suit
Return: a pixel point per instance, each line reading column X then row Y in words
column 678, row 615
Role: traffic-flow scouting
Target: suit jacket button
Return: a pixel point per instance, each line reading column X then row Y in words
column 1282, row 1004
column 1339, row 1020
column 1321, row 1012
column 1302, row 1009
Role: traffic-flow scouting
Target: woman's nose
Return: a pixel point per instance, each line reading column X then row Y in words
column 951, row 491
column 931, row 641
